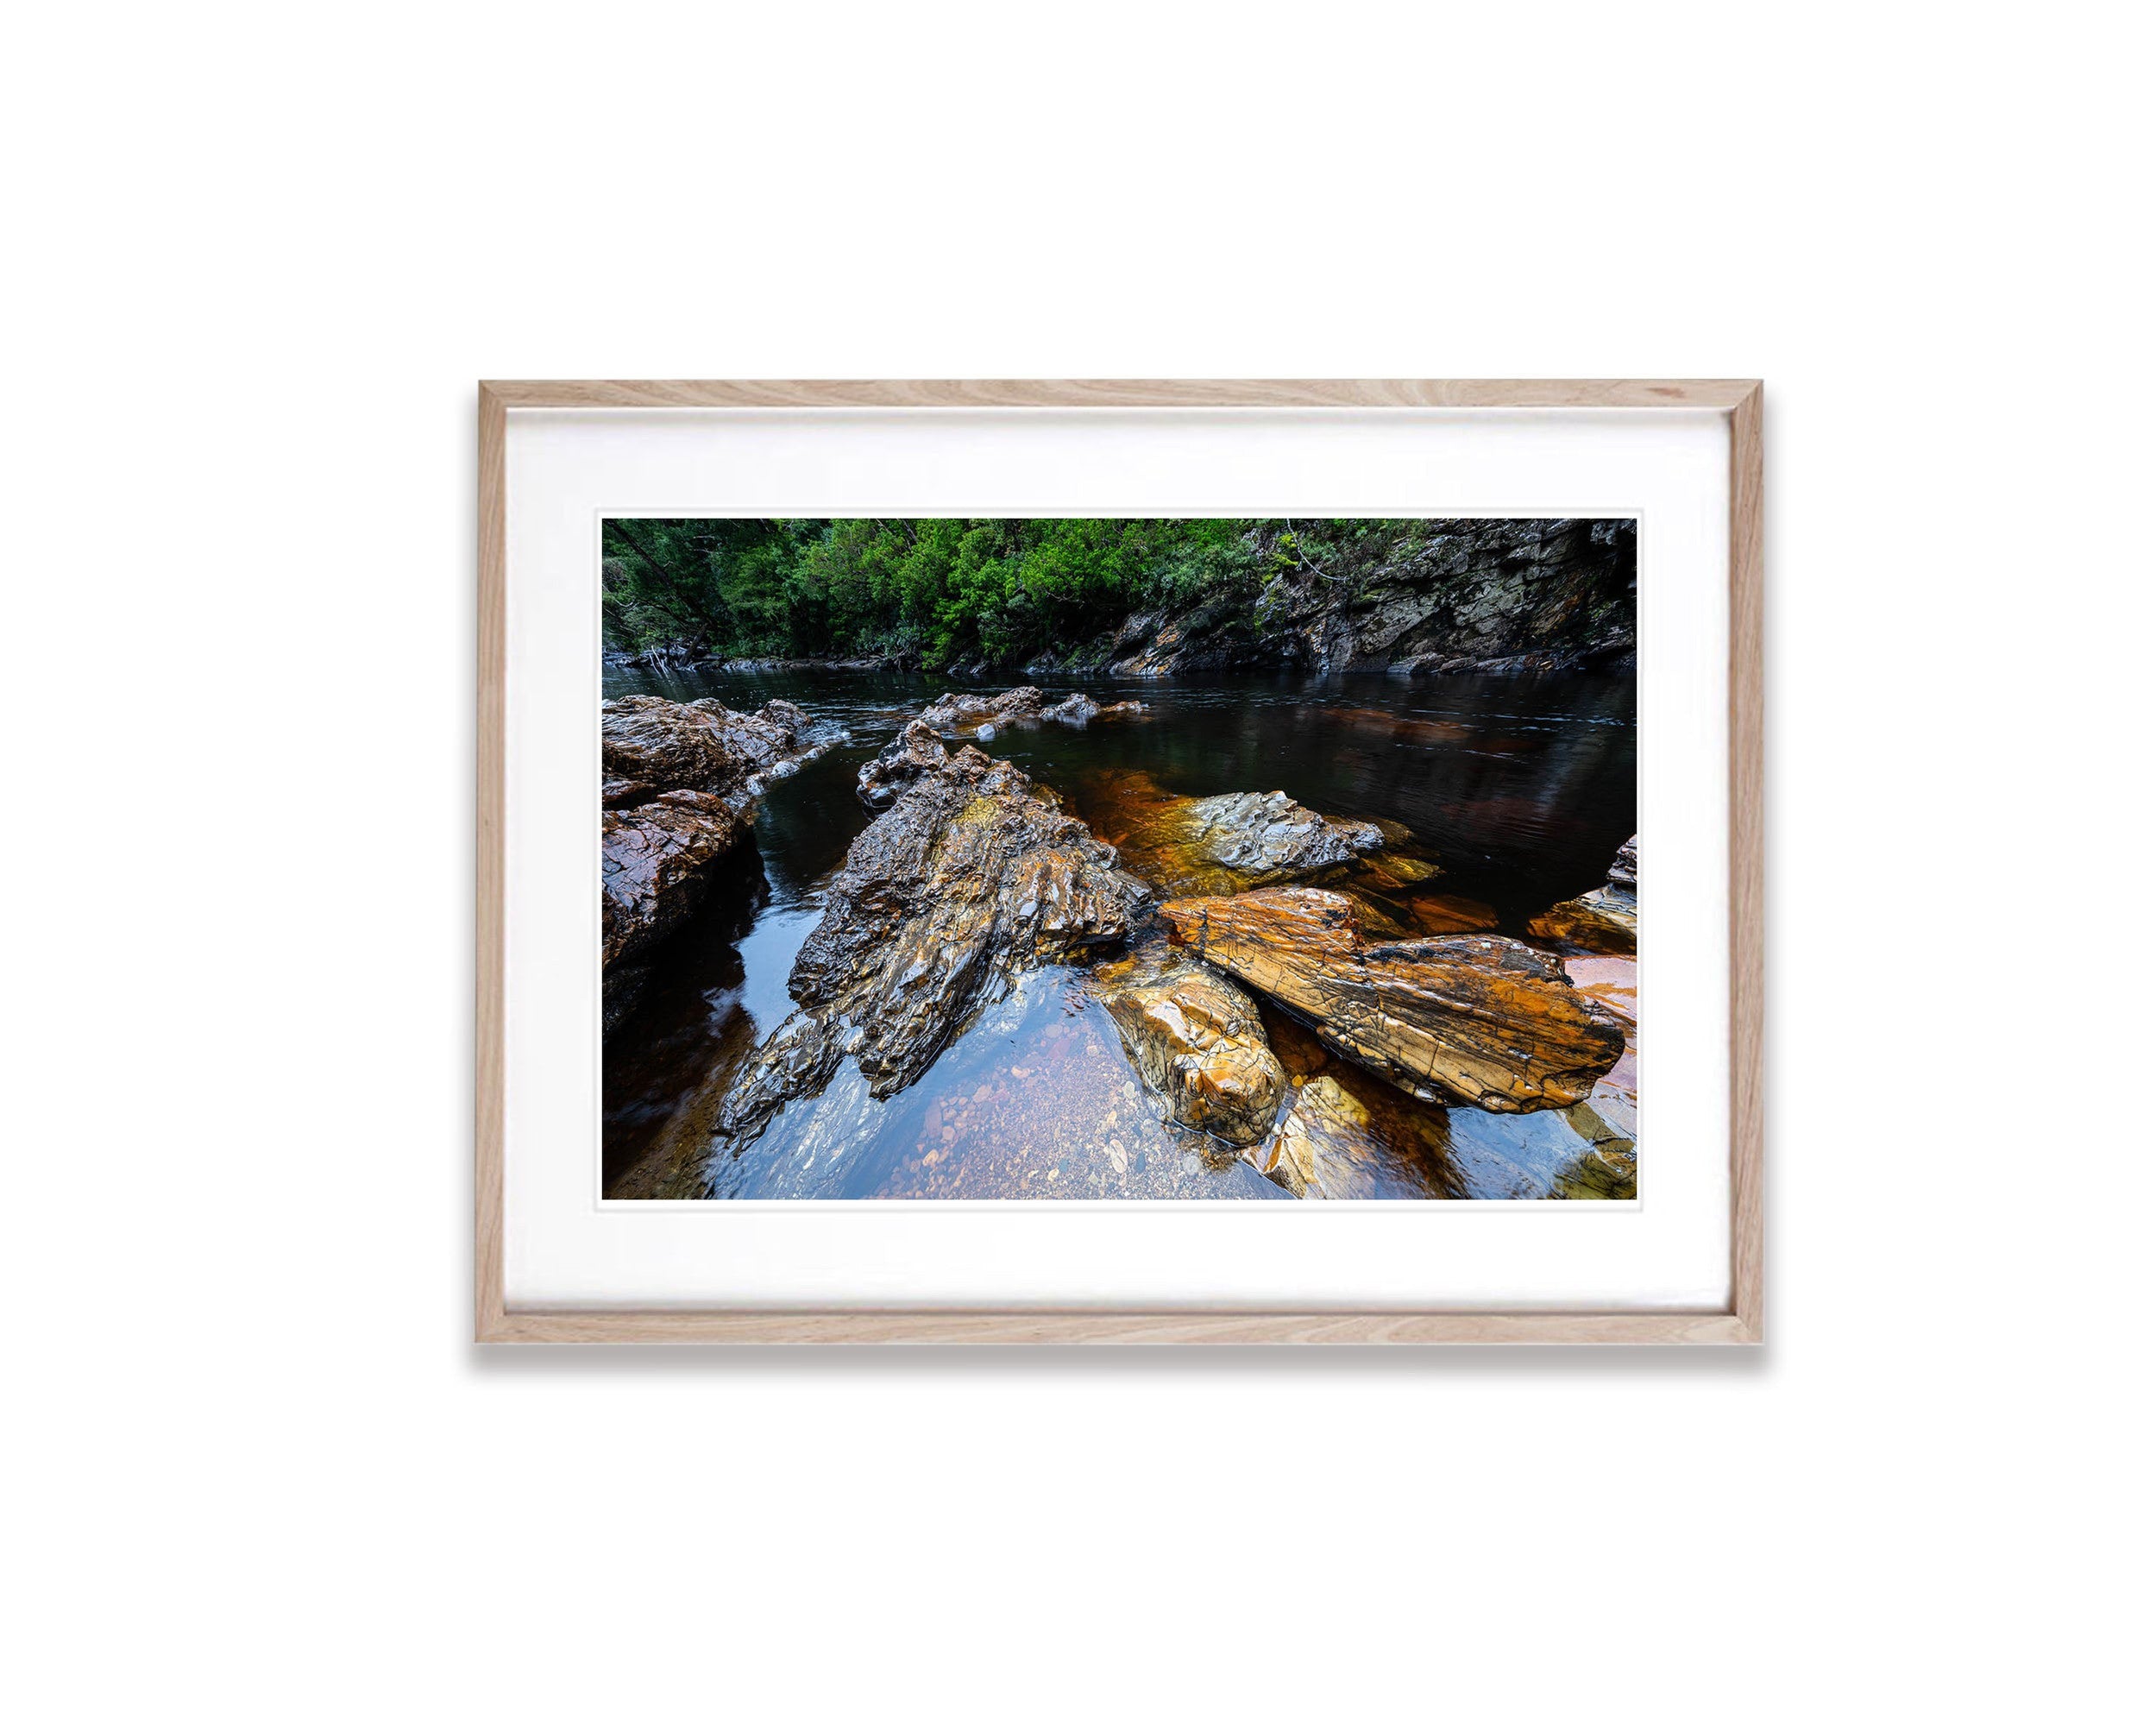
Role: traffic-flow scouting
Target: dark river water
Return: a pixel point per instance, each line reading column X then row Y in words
column 1522, row 787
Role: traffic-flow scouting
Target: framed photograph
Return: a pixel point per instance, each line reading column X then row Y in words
column 1272, row 861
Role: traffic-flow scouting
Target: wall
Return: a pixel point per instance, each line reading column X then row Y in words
column 260, row 1471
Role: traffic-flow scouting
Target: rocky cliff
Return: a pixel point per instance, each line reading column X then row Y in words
column 1415, row 598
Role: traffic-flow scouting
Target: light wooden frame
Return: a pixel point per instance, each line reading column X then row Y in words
column 1739, row 399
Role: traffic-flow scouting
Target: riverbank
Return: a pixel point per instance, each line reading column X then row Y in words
column 1411, row 598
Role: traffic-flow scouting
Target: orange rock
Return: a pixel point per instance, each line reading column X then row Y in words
column 1196, row 1039
column 1480, row 1018
column 1605, row 919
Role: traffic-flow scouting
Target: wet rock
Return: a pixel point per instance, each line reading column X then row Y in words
column 965, row 713
column 1605, row 919
column 1080, row 708
column 969, row 877
column 912, row 753
column 1272, row 837
column 1445, row 913
column 1074, row 708
column 1225, row 844
column 1342, row 1140
column 652, row 860
column 680, row 777
column 698, row 745
column 1195, row 1039
column 1476, row 1017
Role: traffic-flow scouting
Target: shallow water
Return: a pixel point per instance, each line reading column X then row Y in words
column 1522, row 788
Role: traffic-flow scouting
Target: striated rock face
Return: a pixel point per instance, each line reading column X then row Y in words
column 698, row 745
column 652, row 859
column 1195, row 1039
column 963, row 713
column 1605, row 919
column 969, row 878
column 1454, row 596
column 1479, row 1017
column 913, row 752
column 680, row 781
column 1225, row 844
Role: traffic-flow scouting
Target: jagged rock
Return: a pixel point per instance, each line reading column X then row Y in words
column 1196, row 1040
column 1605, row 919
column 1476, row 1017
column 697, row 744
column 652, row 860
column 1493, row 594
column 969, row 878
column 1080, row 708
column 680, row 779
column 913, row 752
column 963, row 713
column 1074, row 708
column 1223, row 844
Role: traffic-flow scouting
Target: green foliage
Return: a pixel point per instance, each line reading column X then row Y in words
column 943, row 590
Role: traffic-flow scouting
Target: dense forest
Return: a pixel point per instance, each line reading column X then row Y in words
column 938, row 592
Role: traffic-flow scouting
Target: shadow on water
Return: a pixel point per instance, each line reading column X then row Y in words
column 1522, row 788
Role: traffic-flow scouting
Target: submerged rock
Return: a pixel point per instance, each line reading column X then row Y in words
column 1339, row 1141
column 1225, row 844
column 1477, row 1017
column 913, row 752
column 1605, row 919
column 971, row 877
column 963, row 713
column 1196, row 1040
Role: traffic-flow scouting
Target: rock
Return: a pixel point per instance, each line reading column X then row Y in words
column 1195, row 1039
column 969, row 877
column 652, row 859
column 680, row 778
column 1415, row 598
column 1223, row 844
column 1444, row 913
column 1605, row 919
column 1074, row 708
column 1337, row 1143
column 1273, row 837
column 697, row 744
column 964, row 713
column 913, row 752
column 1477, row 1017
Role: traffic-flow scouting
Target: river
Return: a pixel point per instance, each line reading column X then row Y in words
column 1521, row 787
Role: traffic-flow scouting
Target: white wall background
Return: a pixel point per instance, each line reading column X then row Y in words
column 260, row 254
